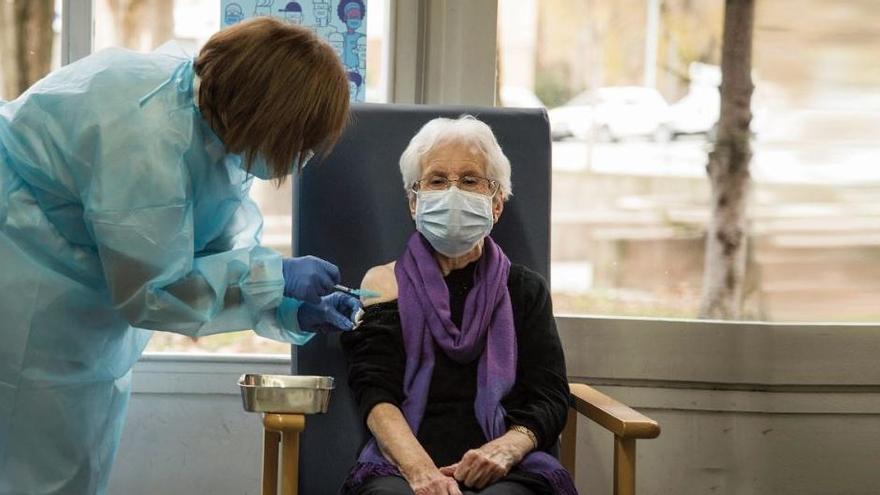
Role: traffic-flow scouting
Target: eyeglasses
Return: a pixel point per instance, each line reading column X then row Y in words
column 469, row 183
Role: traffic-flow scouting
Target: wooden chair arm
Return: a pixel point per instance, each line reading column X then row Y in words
column 626, row 424
column 612, row 415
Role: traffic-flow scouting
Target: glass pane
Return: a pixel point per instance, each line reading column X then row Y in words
column 377, row 51
column 146, row 25
column 630, row 192
column 32, row 28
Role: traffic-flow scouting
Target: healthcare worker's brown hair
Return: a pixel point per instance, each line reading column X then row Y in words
column 272, row 89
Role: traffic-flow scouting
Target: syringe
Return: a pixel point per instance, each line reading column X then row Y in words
column 359, row 293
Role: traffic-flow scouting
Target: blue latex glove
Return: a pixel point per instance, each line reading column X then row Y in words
column 335, row 312
column 309, row 278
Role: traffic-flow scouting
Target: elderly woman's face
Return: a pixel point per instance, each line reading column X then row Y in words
column 453, row 160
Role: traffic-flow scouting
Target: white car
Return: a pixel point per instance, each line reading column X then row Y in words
column 613, row 113
column 520, row 97
column 696, row 113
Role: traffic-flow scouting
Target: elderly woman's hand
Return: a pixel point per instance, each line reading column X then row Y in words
column 430, row 481
column 481, row 467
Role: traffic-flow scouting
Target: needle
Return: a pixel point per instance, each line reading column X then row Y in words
column 361, row 293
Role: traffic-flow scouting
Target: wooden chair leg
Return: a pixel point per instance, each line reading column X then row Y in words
column 288, row 427
column 270, row 462
column 290, row 455
column 624, row 466
column 568, row 450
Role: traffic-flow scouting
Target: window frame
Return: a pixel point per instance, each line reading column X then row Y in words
column 427, row 63
column 77, row 29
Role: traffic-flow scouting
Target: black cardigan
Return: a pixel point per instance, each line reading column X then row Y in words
column 539, row 399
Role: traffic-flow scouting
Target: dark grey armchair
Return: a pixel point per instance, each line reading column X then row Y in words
column 351, row 210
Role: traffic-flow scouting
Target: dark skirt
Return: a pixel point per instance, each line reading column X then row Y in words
column 515, row 483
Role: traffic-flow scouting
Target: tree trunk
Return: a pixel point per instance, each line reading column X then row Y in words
column 25, row 44
column 728, row 169
column 142, row 24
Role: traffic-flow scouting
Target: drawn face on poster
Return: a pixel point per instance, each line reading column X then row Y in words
column 343, row 23
column 351, row 13
column 321, row 9
column 233, row 14
column 293, row 13
column 263, row 7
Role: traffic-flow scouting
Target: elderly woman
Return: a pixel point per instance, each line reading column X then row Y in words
column 457, row 367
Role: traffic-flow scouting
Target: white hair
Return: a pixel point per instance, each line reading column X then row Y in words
column 466, row 128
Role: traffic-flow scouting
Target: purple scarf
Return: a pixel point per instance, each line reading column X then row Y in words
column 487, row 333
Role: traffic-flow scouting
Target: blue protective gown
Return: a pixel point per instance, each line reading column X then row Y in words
column 120, row 212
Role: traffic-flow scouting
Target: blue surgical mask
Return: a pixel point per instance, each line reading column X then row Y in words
column 233, row 18
column 353, row 23
column 453, row 221
column 260, row 169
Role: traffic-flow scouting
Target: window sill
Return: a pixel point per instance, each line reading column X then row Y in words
column 178, row 373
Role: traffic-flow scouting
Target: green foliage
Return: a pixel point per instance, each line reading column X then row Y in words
column 551, row 86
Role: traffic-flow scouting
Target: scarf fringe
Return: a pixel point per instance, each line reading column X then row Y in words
column 364, row 471
column 561, row 482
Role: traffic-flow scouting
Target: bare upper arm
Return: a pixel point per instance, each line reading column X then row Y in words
column 380, row 279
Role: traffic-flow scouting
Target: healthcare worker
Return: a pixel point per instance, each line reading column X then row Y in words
column 124, row 207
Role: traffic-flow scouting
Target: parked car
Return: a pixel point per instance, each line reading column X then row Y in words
column 518, row 96
column 613, row 113
column 696, row 113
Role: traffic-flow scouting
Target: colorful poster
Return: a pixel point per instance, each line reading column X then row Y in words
column 343, row 23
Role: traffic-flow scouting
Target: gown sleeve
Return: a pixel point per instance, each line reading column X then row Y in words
column 140, row 214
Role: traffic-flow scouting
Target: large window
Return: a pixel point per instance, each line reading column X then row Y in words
column 631, row 88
